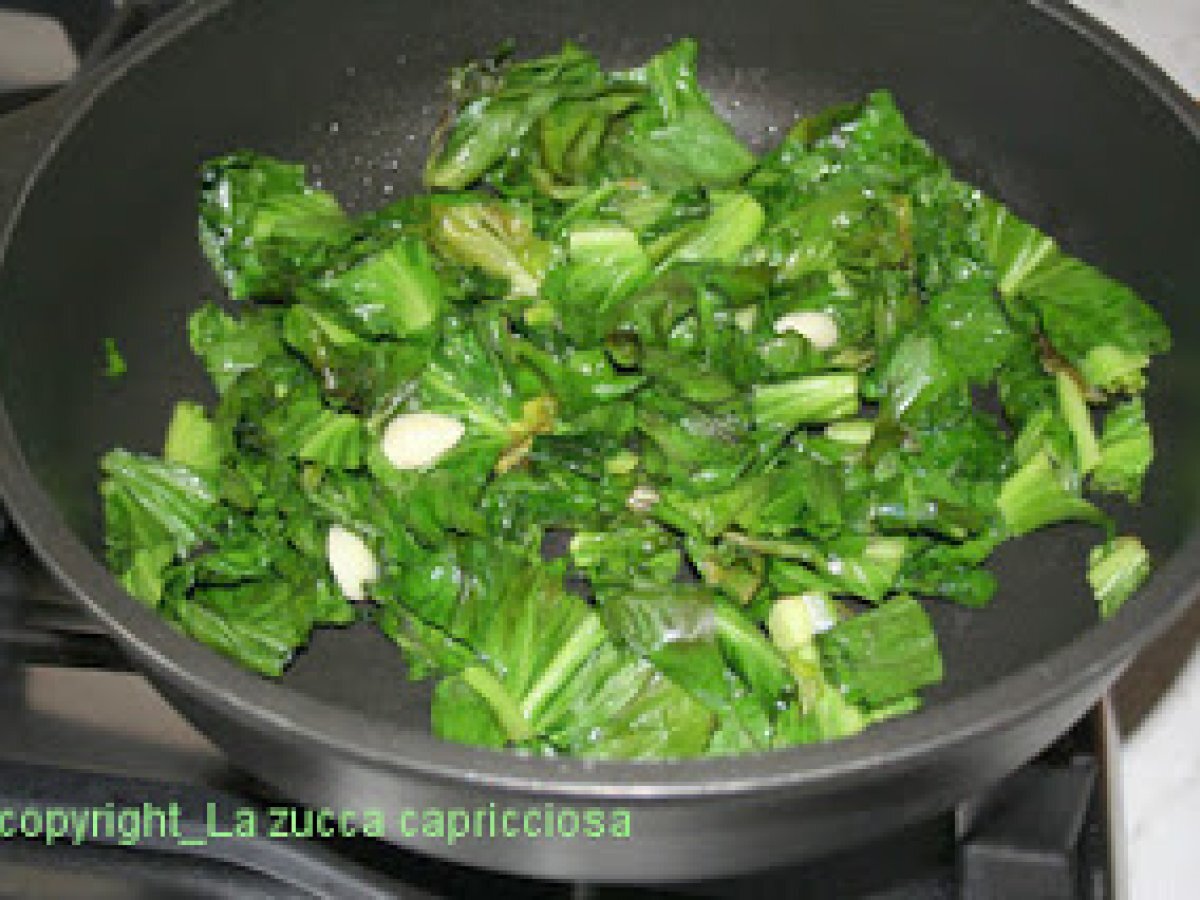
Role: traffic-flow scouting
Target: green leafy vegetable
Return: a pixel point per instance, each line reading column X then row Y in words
column 638, row 443
column 114, row 362
column 1038, row 494
column 393, row 293
column 494, row 237
column 883, row 655
column 1125, row 452
column 263, row 228
column 229, row 347
column 1099, row 325
column 192, row 440
column 675, row 138
column 1078, row 418
column 1116, row 569
column 805, row 401
column 149, row 501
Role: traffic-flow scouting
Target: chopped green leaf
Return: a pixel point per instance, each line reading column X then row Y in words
column 805, row 401
column 1116, row 569
column 193, row 440
column 882, row 655
column 114, row 362
column 1126, row 450
column 1035, row 496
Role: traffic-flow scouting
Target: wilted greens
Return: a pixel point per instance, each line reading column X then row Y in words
column 763, row 402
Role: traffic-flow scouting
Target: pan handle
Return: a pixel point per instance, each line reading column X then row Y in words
column 26, row 133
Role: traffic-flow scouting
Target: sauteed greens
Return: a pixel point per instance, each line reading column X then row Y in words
column 763, row 402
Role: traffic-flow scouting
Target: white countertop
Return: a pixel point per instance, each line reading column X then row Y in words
column 1168, row 31
column 1158, row 700
column 1158, row 709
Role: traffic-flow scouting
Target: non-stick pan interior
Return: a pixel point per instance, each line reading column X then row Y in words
column 106, row 245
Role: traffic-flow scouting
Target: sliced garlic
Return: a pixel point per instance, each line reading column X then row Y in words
column 819, row 328
column 789, row 624
column 641, row 499
column 351, row 561
column 795, row 618
column 418, row 440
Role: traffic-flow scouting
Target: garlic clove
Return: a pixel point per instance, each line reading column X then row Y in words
column 795, row 618
column 418, row 440
column 351, row 561
column 819, row 328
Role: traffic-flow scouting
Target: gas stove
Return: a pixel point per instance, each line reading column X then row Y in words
column 82, row 732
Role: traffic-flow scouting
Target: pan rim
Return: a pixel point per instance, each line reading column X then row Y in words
column 1094, row 657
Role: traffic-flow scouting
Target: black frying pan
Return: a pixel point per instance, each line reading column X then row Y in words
column 1035, row 103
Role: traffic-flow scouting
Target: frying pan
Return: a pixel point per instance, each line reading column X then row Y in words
column 1037, row 104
